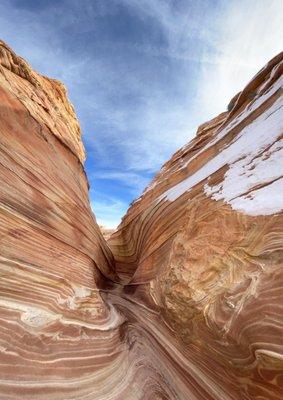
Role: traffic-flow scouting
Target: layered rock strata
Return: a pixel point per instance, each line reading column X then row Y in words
column 56, row 332
column 203, row 247
column 184, row 301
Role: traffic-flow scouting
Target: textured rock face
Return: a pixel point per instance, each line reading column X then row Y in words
column 106, row 232
column 52, row 254
column 185, row 300
column 203, row 245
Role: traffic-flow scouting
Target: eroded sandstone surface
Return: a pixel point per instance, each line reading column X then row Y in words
column 184, row 300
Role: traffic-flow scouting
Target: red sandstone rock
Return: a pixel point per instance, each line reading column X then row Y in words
column 54, row 323
column 106, row 232
column 199, row 313
column 203, row 246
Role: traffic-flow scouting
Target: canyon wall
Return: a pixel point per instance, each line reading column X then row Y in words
column 54, row 323
column 184, row 300
column 203, row 247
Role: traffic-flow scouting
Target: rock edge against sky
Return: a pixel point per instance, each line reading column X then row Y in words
column 183, row 301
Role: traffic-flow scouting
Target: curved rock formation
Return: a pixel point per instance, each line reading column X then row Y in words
column 54, row 322
column 185, row 299
column 203, row 247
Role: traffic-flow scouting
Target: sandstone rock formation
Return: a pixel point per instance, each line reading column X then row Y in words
column 184, row 301
column 106, row 232
column 54, row 322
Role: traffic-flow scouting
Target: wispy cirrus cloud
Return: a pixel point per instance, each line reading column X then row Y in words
column 142, row 74
column 108, row 211
column 247, row 35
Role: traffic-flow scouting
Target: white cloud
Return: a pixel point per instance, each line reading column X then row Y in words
column 108, row 211
column 247, row 34
column 207, row 55
column 135, row 182
column 231, row 45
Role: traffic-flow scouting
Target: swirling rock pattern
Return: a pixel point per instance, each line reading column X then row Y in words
column 56, row 332
column 184, row 300
column 203, row 247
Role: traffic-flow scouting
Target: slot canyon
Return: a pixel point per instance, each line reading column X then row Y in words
column 184, row 300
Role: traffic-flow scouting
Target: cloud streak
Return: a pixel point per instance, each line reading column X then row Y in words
column 142, row 74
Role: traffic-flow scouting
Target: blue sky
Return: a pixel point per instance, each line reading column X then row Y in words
column 142, row 74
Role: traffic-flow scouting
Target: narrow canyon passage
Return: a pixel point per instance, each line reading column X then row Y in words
column 184, row 300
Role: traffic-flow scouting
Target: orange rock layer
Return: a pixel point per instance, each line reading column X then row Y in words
column 184, row 300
